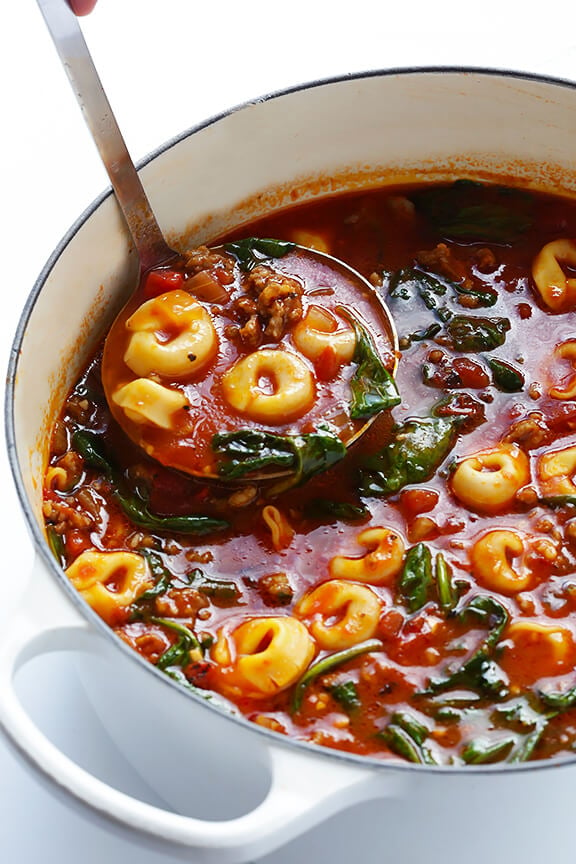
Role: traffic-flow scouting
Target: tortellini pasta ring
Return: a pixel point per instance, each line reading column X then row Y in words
column 566, row 351
column 263, row 656
column 341, row 613
column 534, row 650
column 319, row 331
column 555, row 288
column 379, row 566
column 270, row 386
column 492, row 559
column 488, row 481
column 148, row 403
column 556, row 471
column 171, row 335
column 110, row 581
column 281, row 531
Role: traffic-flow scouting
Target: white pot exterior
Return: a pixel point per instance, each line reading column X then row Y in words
column 382, row 127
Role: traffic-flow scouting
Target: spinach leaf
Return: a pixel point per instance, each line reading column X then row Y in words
column 480, row 672
column 474, row 334
column 222, row 592
column 559, row 701
column 346, row 695
column 505, row 376
column 414, row 297
column 405, row 736
column 412, row 286
column 304, row 456
column 327, row 664
column 411, row 724
column 136, row 508
column 56, row 544
column 254, row 250
column 526, row 721
column 134, row 503
column 416, row 577
column 327, row 510
column 486, row 297
column 469, row 210
column 445, row 587
column 179, row 653
column 556, row 501
column 160, row 573
column 418, row 448
column 373, row 387
column 92, row 448
column 482, row 752
column 523, row 752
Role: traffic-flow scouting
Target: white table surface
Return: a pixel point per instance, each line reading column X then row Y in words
column 162, row 77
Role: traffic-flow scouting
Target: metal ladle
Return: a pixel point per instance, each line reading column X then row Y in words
column 151, row 247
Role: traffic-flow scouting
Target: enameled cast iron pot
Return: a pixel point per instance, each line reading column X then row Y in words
column 235, row 791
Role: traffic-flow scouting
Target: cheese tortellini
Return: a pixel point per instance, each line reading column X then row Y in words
column 556, row 472
column 263, row 656
column 148, row 403
column 319, row 331
column 379, row 566
column 556, row 289
column 281, row 530
column 499, row 561
column 270, row 386
column 171, row 335
column 489, row 480
column 532, row 650
column 566, row 351
column 110, row 581
column 341, row 614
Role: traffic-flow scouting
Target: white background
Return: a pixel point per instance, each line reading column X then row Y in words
column 168, row 64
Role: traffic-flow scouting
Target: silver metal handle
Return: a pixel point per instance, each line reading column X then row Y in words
column 85, row 81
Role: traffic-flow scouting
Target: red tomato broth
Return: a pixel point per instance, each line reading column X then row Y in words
column 187, row 446
column 376, row 232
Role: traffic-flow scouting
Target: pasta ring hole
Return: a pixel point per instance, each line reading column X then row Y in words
column 116, row 582
column 264, row 642
column 267, row 383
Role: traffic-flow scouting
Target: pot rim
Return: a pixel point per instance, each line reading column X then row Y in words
column 41, row 547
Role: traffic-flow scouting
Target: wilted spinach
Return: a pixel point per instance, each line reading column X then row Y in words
column 405, row 735
column 248, row 450
column 472, row 333
column 328, row 664
column 346, row 694
column 254, row 250
column 134, row 502
column 505, row 376
column 468, row 210
column 325, row 509
column 179, row 653
column 373, row 387
column 480, row 672
column 417, row 449
column 416, row 577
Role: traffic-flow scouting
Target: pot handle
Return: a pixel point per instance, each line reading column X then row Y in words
column 304, row 790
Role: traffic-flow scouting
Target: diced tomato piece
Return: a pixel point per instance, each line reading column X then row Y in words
column 223, row 276
column 416, row 501
column 327, row 364
column 160, row 281
column 76, row 542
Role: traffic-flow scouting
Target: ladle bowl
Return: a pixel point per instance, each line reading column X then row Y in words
column 154, row 252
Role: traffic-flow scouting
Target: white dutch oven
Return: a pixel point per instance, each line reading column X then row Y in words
column 233, row 791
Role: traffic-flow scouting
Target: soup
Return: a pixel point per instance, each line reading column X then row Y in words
column 414, row 598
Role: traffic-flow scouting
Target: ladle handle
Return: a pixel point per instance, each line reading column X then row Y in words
column 73, row 51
